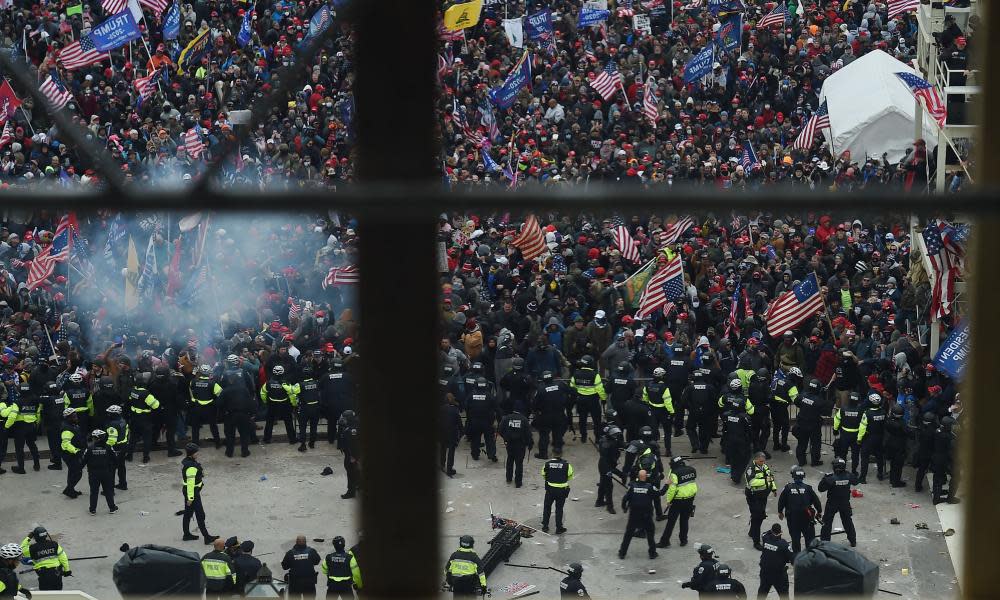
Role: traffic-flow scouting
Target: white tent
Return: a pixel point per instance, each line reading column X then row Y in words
column 871, row 110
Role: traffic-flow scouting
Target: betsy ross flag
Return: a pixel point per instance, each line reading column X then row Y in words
column 946, row 261
column 81, row 53
column 898, row 7
column 346, row 275
column 666, row 285
column 42, row 267
column 146, row 86
column 926, row 92
column 192, row 143
column 793, row 307
column 608, row 81
column 55, row 92
column 673, row 231
column 817, row 123
column 625, row 243
column 531, row 241
column 778, row 16
column 649, row 101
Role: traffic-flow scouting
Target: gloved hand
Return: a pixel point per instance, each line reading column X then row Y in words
column 26, row 593
column 67, row 573
column 836, row 433
column 686, row 584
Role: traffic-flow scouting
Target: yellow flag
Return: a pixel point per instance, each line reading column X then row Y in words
column 192, row 53
column 132, row 277
column 464, row 15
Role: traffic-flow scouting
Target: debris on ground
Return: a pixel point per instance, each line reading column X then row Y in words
column 857, row 494
column 326, row 471
column 921, row 526
column 894, row 521
column 723, row 470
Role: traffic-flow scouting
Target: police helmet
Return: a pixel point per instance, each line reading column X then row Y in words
column 25, row 387
column 614, row 431
column 69, row 411
column 466, row 541
column 659, row 372
column 308, row 370
column 98, row 434
column 232, row 360
column 723, row 570
column 797, row 472
column 794, row 372
column 205, row 370
column 854, row 396
column 348, row 415
column 10, row 551
column 76, row 378
column 481, row 382
column 763, row 373
column 839, row 465
column 623, row 367
column 677, row 461
column 929, row 417
column 698, row 374
column 338, row 363
column 518, row 363
column 39, row 533
column 897, row 411
column 107, row 383
column 735, row 384
column 191, row 448
column 163, row 371
column 114, row 409
column 477, row 367
column 875, row 398
column 706, row 551
column 339, row 543
column 813, row 384
column 587, row 361
column 575, row 570
column 947, row 422
column 278, row 370
column 145, row 377
column 646, row 433
column 610, row 414
column 547, row 376
column 448, row 370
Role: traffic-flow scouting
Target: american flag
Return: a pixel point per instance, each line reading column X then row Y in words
column 818, row 122
column 460, row 119
column 531, row 241
column 747, row 309
column 588, row 52
column 55, row 93
column 926, row 92
column 666, row 284
column 113, row 7
column 649, row 101
column 947, row 266
column 448, row 35
column 157, row 6
column 192, row 143
column 749, row 158
column 146, row 86
column 673, row 231
column 81, row 53
column 608, row 81
column 625, row 243
column 778, row 16
column 489, row 119
column 58, row 251
column 7, row 136
column 346, row 275
column 626, row 10
column 737, row 223
column 444, row 65
column 651, row 4
column 734, row 303
column 898, row 7
column 294, row 309
column 793, row 307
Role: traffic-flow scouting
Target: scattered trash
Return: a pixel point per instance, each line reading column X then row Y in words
column 914, row 505
column 326, row 471
column 894, row 521
column 651, row 571
column 575, row 499
column 949, row 532
column 451, row 502
column 263, row 477
column 723, row 470
column 905, row 571
column 319, row 540
column 588, row 491
column 449, row 509
column 921, row 526
column 143, row 513
column 857, row 494
column 735, row 517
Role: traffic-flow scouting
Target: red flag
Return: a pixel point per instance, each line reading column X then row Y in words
column 9, row 101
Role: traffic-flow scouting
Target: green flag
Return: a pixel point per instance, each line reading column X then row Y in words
column 74, row 10
column 633, row 286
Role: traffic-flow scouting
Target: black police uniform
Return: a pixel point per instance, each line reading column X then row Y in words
column 588, row 404
column 141, row 421
column 609, row 450
column 204, row 408
column 941, row 464
column 167, row 388
column 101, row 461
column 925, row 451
column 736, row 441
column 77, row 397
column 349, row 442
column 300, row 562
column 759, row 483
column 557, row 474
column 638, row 502
column 800, row 504
column 649, row 460
column 699, row 397
column 191, row 485
column 808, row 427
column 516, row 433
column 238, row 408
column 517, row 387
column 872, row 443
column 28, row 405
column 552, row 398
column 759, row 394
column 451, row 433
column 337, row 393
column 309, row 410
column 480, row 414
column 784, row 394
column 72, row 436
column 773, row 559
column 725, row 587
column 279, row 406
column 620, row 388
column 636, row 415
column 572, row 587
column 657, row 395
column 121, row 433
column 838, row 500
column 896, row 434
column 702, row 575
column 53, row 403
column 678, row 370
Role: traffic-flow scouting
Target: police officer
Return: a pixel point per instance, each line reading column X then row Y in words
column 759, row 483
column 837, row 486
column 571, row 586
column 552, row 398
column 142, row 404
column 53, row 403
column 118, row 440
column 736, row 438
column 516, row 386
column 6, row 406
column 464, row 570
column 23, row 418
column 786, row 392
column 100, row 460
column 337, row 568
column 621, row 386
column 638, row 503
column 636, row 416
column 516, row 434
column 349, row 442
column 870, row 434
column 557, row 474
column 237, row 405
column 10, row 555
column 218, row 569
column 204, row 390
column 449, row 383
column 809, row 423
column 309, row 407
column 657, row 395
column 280, row 396
column 895, row 445
column 800, row 503
column 451, row 435
column 774, row 558
column 649, row 460
column 759, row 395
column 192, row 484
column 468, row 383
column 705, row 572
column 724, row 585
column 609, row 448
column 925, row 448
column 590, row 395
column 681, row 492
column 246, row 565
column 337, row 393
column 636, row 447
column 480, row 414
column 77, row 396
column 48, row 559
column 72, row 445
column 678, row 373
column 699, row 398
column 846, row 424
column 104, row 397
column 300, row 561
column 167, row 387
column 942, row 461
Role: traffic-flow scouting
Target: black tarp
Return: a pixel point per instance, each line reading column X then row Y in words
column 152, row 570
column 830, row 569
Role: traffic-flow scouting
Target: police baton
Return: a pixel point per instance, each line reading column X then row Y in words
column 534, row 566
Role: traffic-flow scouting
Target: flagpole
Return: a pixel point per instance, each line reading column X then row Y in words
column 27, row 119
column 637, row 271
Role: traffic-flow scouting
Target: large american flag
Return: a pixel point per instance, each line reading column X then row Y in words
column 673, row 231
column 58, row 251
column 608, row 81
column 81, row 53
column 898, row 7
column 666, row 285
column 649, row 101
column 946, row 260
column 625, row 243
column 531, row 241
column 113, row 7
column 146, row 86
column 192, row 143
column 818, row 122
column 748, row 160
column 926, row 92
column 626, row 10
column 55, row 92
column 793, row 307
column 157, row 6
column 346, row 275
column 778, row 16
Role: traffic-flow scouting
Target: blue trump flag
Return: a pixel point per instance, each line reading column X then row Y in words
column 725, row 6
column 172, row 22
column 488, row 163
column 539, row 25
column 953, row 352
column 519, row 77
column 592, row 16
column 700, row 65
column 246, row 31
column 116, row 31
column 730, row 33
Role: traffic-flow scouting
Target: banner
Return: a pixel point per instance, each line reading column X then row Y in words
column 192, row 53
column 953, row 352
column 519, row 77
column 74, row 10
column 592, row 16
column 539, row 25
column 463, row 16
column 725, row 6
column 641, row 24
column 515, row 32
column 116, row 31
column 172, row 22
column 633, row 287
column 729, row 37
column 700, row 65
column 9, row 102
column 246, row 29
